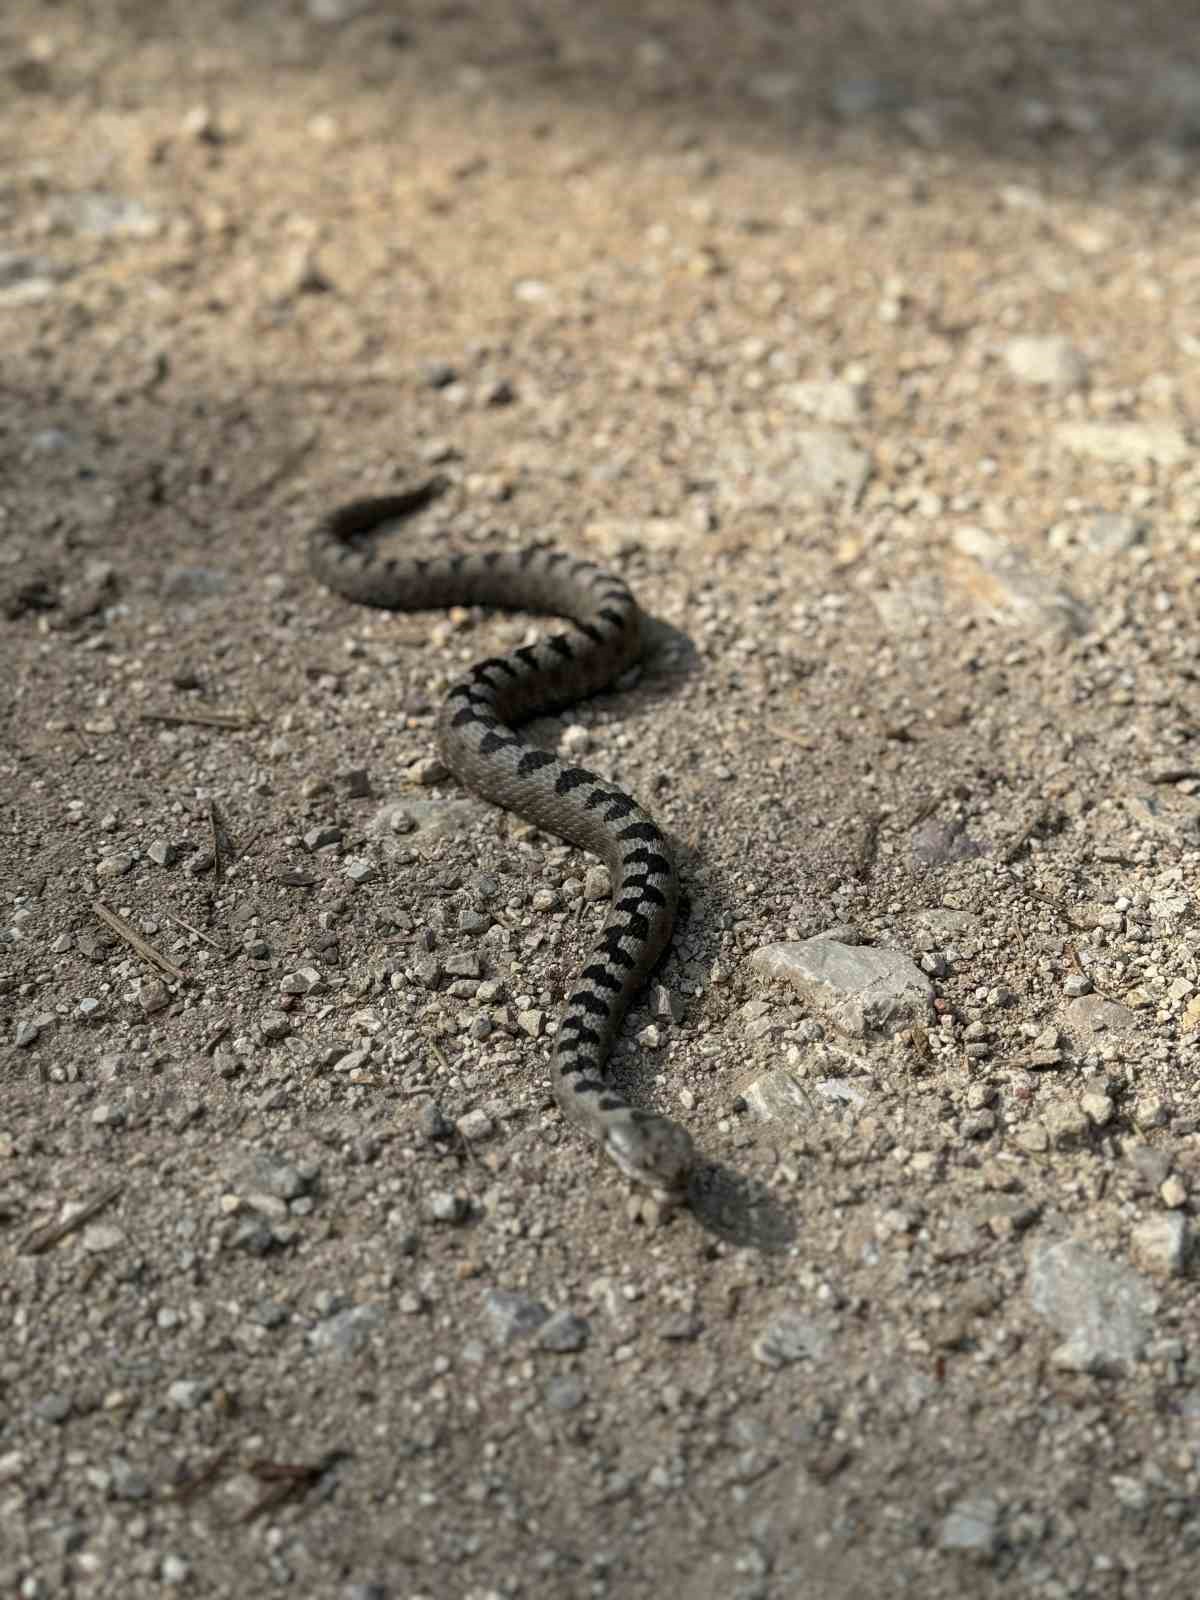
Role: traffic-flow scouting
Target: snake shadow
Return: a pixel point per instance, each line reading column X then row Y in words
column 740, row 1210
column 733, row 1207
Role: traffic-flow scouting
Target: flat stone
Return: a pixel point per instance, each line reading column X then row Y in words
column 1126, row 443
column 185, row 1394
column 444, row 1205
column 153, row 995
column 564, row 1332
column 791, row 1336
column 1111, row 534
column 972, row 1526
column 347, row 1331
column 1160, row 1244
column 940, row 844
column 1051, row 363
column 163, row 853
column 100, row 1237
column 833, row 401
column 860, row 989
column 1103, row 1310
column 274, row 1025
column 476, row 1125
column 796, row 467
column 1091, row 1014
column 513, row 1316
column 998, row 577
column 115, row 866
column 103, row 215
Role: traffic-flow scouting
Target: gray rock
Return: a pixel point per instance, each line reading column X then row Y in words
column 25, row 279
column 126, row 1482
column 267, row 1314
column 791, row 1336
column 778, row 1095
column 194, row 583
column 512, row 1316
column 972, row 1526
column 835, row 401
column 476, row 1125
column 105, row 216
column 271, row 1175
column 565, row 1392
column 1160, row 1244
column 153, row 995
column 185, row 1394
column 255, row 1236
column 1092, row 1013
column 444, row 1205
column 1166, row 814
column 304, row 980
column 347, row 1331
column 353, row 1060
column 1052, row 363
column 1111, row 534
column 795, row 468
column 941, row 844
column 905, row 607
column 997, row 577
column 852, row 98
column 860, row 989
column 114, row 866
column 53, row 1407
column 274, row 1025
column 164, row 854
column 1104, row 1311
column 1175, row 92
column 101, row 1237
column 174, row 1569
column 564, row 1332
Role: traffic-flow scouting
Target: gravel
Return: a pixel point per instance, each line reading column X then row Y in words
column 861, row 342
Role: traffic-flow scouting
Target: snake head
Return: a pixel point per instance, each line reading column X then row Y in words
column 651, row 1149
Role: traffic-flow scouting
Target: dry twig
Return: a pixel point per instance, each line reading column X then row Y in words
column 45, row 1238
column 134, row 939
column 205, row 719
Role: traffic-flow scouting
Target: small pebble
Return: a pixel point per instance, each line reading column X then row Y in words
column 444, row 1205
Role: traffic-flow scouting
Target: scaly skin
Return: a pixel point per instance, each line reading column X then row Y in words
column 479, row 745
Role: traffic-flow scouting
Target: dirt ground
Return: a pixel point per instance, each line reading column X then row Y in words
column 861, row 339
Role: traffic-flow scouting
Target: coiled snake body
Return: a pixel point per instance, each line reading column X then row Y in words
column 479, row 746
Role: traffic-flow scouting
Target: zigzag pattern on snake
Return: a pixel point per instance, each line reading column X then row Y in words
column 483, row 751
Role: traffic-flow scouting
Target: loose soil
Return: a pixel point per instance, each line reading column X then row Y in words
column 861, row 340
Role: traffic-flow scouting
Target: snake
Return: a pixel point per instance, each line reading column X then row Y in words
column 478, row 742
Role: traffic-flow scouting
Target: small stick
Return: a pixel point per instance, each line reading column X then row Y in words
column 792, row 738
column 131, row 937
column 44, row 1238
column 206, row 719
column 204, row 1476
column 1023, row 835
column 288, row 1481
column 216, row 839
column 200, row 934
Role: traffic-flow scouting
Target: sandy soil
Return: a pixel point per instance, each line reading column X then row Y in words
column 861, row 340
